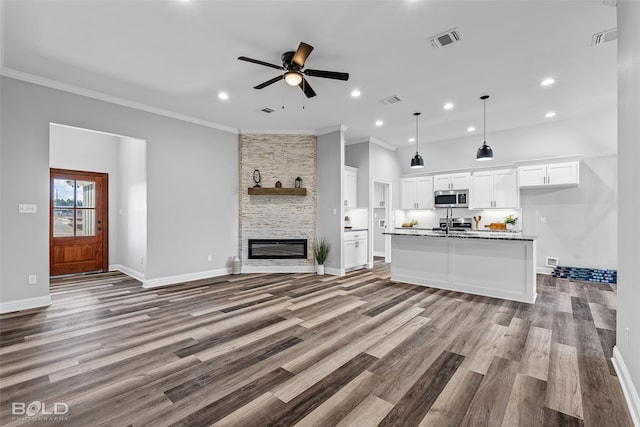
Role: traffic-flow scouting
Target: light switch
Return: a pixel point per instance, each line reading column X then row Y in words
column 27, row 208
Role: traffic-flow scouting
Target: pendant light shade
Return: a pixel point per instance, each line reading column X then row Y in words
column 417, row 161
column 485, row 152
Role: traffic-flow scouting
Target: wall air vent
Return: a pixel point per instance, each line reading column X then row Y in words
column 604, row 37
column 391, row 99
column 445, row 39
column 266, row 110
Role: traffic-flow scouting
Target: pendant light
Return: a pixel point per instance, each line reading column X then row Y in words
column 485, row 152
column 417, row 161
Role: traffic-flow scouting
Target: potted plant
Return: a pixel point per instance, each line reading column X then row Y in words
column 511, row 221
column 320, row 253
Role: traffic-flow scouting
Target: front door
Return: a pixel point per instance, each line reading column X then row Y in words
column 78, row 239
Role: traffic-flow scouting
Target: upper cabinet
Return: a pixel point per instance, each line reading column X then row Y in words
column 350, row 187
column 494, row 189
column 416, row 193
column 452, row 181
column 552, row 174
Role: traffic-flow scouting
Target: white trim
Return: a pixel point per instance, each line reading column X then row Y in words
column 334, row 271
column 54, row 84
column 25, row 304
column 179, row 279
column 128, row 271
column 276, row 132
column 544, row 270
column 378, row 253
column 331, row 129
column 372, row 140
column 278, row 269
column 628, row 388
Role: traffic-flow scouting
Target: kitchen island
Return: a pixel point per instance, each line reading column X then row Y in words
column 499, row 265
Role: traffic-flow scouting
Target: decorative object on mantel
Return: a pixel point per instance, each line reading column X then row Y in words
column 298, row 182
column 417, row 161
column 273, row 191
column 320, row 253
column 510, row 221
column 278, row 184
column 257, row 178
column 484, row 152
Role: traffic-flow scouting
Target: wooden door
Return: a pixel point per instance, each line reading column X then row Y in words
column 78, row 219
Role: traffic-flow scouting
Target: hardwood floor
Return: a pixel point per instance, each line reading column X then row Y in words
column 307, row 350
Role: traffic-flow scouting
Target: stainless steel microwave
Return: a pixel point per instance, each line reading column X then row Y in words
column 451, row 198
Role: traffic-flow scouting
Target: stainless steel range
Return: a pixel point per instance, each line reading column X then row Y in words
column 455, row 224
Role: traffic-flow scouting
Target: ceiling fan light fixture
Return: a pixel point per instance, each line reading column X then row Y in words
column 293, row 78
column 485, row 152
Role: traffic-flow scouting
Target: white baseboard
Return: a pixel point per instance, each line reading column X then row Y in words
column 377, row 253
column 279, row 269
column 172, row 280
column 544, row 270
column 128, row 271
column 628, row 388
column 334, row 271
column 24, row 304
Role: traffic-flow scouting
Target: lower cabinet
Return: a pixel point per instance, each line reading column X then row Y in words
column 355, row 249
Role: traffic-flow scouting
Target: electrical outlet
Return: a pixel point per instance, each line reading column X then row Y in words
column 33, row 279
column 24, row 208
column 627, row 330
column 543, row 219
column 209, row 258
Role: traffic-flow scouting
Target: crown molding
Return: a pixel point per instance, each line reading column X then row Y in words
column 341, row 128
column 372, row 140
column 54, row 84
column 276, row 132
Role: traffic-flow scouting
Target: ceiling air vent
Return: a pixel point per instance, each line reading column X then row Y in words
column 391, row 99
column 445, row 39
column 266, row 110
column 604, row 37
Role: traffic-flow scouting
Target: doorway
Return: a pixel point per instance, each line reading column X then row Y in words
column 381, row 217
column 78, row 222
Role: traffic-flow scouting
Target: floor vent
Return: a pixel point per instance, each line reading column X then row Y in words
column 445, row 39
column 391, row 99
column 604, row 37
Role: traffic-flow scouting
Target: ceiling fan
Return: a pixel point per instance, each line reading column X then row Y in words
column 293, row 64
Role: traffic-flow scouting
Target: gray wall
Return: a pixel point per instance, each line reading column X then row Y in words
column 330, row 149
column 192, row 207
column 357, row 156
column 628, row 343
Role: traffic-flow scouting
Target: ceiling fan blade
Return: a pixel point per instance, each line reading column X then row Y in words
column 268, row 82
column 301, row 54
column 255, row 61
column 327, row 74
column 304, row 85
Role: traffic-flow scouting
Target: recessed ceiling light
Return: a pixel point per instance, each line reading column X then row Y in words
column 355, row 93
column 448, row 106
column 471, row 129
column 412, row 140
column 547, row 82
column 550, row 114
column 223, row 95
column 379, row 122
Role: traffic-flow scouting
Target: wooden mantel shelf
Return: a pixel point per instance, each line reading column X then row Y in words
column 273, row 191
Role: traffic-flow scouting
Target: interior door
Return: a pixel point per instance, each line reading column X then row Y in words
column 78, row 234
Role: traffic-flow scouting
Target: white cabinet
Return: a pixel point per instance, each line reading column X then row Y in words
column 416, row 193
column 494, row 189
column 378, row 195
column 355, row 249
column 552, row 174
column 350, row 187
column 452, row 181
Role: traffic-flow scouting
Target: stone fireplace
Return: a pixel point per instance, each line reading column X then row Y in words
column 276, row 224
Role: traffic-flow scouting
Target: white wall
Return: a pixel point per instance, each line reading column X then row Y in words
column 192, row 206
column 80, row 149
column 628, row 343
column 357, row 156
column 132, row 209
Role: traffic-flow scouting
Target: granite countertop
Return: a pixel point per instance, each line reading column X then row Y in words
column 495, row 235
column 355, row 229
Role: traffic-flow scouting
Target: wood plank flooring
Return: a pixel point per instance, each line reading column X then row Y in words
column 307, row 350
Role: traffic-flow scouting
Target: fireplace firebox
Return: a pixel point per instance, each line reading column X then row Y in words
column 277, row 248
